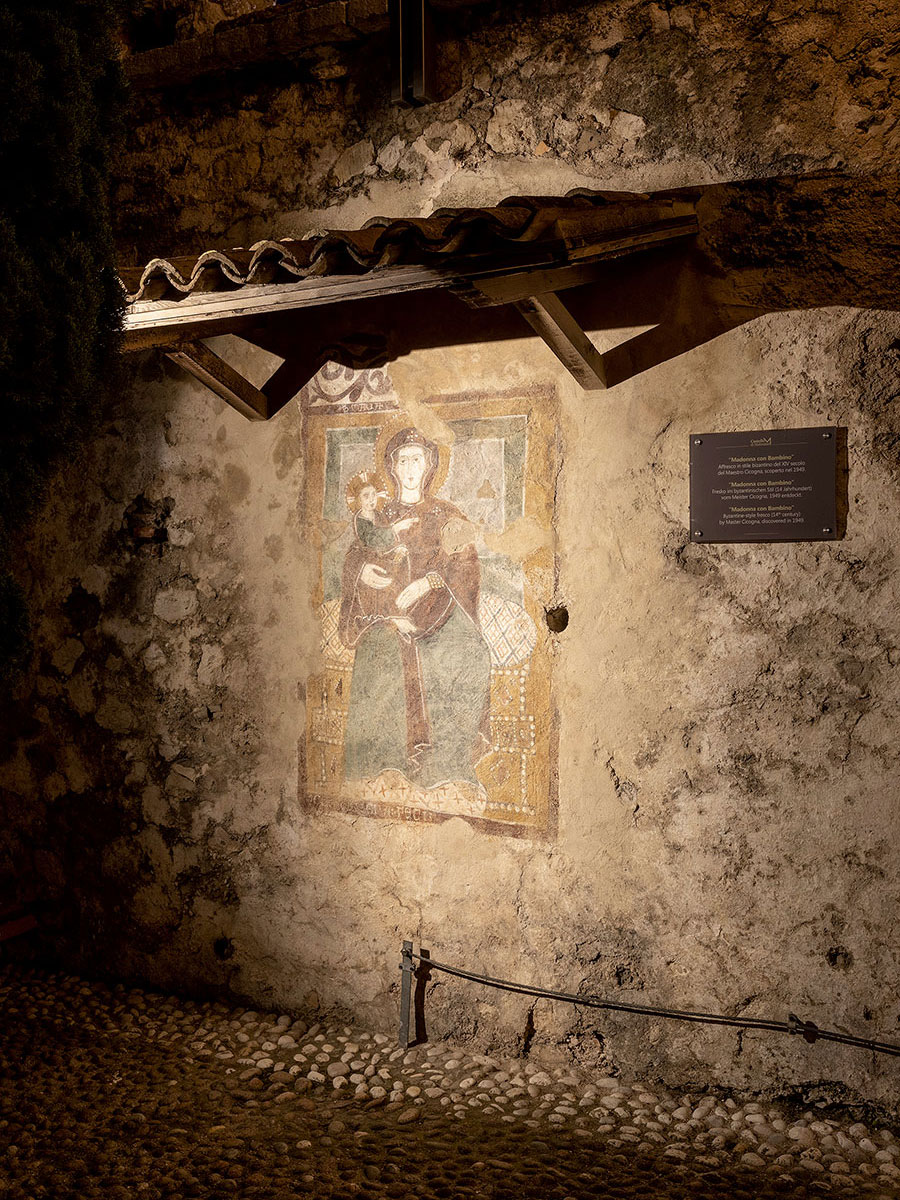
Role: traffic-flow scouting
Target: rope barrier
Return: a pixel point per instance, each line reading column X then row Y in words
column 808, row 1030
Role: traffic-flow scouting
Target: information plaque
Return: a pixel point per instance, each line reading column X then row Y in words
column 774, row 485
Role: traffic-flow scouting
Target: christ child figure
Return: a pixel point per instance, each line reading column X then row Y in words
column 380, row 540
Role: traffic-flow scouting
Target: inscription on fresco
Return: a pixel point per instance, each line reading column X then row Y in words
column 434, row 547
column 775, row 485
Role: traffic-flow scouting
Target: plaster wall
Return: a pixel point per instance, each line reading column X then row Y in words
column 727, row 770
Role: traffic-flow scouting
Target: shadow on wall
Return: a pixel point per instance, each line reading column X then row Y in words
column 764, row 246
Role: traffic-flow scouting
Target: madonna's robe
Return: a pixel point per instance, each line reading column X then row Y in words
column 418, row 704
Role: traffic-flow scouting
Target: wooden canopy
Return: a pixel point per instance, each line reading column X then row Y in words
column 516, row 256
column 679, row 267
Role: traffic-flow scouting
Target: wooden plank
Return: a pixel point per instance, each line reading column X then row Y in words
column 496, row 290
column 259, row 37
column 199, row 361
column 215, row 311
column 550, row 318
column 517, row 284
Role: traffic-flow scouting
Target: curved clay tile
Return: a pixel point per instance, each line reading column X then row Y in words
column 384, row 242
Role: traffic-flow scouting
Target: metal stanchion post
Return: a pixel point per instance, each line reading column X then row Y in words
column 406, row 968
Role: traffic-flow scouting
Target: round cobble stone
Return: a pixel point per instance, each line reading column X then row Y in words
column 107, row 1092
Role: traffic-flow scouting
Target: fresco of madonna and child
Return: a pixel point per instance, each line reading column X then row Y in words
column 435, row 697
column 421, row 685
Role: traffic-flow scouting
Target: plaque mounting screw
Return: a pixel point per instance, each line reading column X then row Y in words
column 826, row 435
column 698, row 533
column 698, row 441
column 827, row 529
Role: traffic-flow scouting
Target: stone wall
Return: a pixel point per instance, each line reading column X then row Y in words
column 546, row 96
column 727, row 714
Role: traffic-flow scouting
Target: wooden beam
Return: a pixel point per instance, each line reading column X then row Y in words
column 382, row 329
column 261, row 404
column 270, row 34
column 199, row 361
column 16, row 926
column 584, row 265
column 478, row 283
column 286, row 382
column 550, row 318
column 358, row 350
column 412, row 53
column 148, row 322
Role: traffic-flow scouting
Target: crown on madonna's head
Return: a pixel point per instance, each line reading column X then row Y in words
column 410, row 437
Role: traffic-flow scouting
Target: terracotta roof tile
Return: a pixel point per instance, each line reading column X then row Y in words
column 516, row 228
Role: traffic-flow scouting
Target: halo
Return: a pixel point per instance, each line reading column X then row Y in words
column 387, row 431
column 372, row 477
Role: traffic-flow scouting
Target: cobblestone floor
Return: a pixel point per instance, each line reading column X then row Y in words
column 123, row 1094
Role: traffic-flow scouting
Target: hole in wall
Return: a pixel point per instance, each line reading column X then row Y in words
column 840, row 958
column 223, row 948
column 557, row 618
column 82, row 608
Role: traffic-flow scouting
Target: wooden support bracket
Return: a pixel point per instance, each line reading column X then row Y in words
column 261, row 404
column 199, row 361
column 549, row 317
column 286, row 382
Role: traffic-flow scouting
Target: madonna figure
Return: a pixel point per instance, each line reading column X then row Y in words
column 420, row 689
